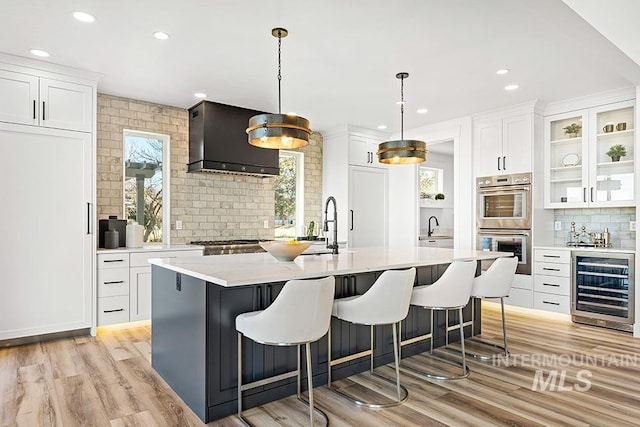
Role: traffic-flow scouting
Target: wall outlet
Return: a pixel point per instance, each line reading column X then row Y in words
column 632, row 226
column 557, row 225
column 266, row 223
column 178, row 225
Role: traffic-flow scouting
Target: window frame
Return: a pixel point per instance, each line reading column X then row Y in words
column 166, row 176
column 299, row 217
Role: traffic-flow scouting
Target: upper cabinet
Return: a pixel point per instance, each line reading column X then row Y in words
column 362, row 151
column 590, row 164
column 34, row 100
column 503, row 145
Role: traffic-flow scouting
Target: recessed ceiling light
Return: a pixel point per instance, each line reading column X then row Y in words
column 38, row 52
column 502, row 71
column 160, row 35
column 200, row 95
column 511, row 87
column 84, row 17
column 382, row 127
column 399, row 102
column 422, row 111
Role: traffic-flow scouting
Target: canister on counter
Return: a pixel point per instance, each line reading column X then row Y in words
column 111, row 239
column 606, row 238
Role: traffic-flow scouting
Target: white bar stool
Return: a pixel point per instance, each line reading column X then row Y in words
column 385, row 303
column 494, row 283
column 451, row 291
column 299, row 315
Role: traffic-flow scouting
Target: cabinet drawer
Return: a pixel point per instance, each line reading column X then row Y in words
column 551, row 302
column 117, row 260
column 113, row 310
column 552, row 284
column 552, row 269
column 551, row 255
column 522, row 281
column 141, row 259
column 519, row 297
column 113, row 282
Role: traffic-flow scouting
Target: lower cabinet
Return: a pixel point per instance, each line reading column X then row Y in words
column 521, row 293
column 552, row 280
column 124, row 283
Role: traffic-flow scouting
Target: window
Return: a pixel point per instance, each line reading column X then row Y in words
column 289, row 196
column 146, row 183
column 431, row 182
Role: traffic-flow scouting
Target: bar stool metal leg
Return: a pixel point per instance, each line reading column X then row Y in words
column 401, row 391
column 473, row 338
column 462, row 365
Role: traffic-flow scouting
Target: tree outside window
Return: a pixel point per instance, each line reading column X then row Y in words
column 430, row 182
column 285, row 198
column 143, row 183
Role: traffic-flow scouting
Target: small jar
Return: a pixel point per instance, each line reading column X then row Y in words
column 111, row 239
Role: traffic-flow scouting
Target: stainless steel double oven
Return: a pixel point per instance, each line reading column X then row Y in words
column 503, row 218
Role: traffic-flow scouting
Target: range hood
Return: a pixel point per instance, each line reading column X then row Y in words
column 218, row 142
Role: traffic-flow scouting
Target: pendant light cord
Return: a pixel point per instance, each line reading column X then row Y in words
column 402, row 108
column 279, row 73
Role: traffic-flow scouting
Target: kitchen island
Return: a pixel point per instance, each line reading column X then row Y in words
column 195, row 302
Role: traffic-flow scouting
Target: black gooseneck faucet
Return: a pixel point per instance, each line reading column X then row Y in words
column 334, row 245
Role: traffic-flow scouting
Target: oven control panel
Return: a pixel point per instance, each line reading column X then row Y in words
column 502, row 180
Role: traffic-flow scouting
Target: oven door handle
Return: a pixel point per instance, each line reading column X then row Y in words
column 502, row 190
column 504, row 233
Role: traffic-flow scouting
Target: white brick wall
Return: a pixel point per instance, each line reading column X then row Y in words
column 211, row 206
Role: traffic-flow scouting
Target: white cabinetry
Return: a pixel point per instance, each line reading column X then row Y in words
column 31, row 99
column 578, row 172
column 521, row 293
column 124, row 283
column 436, row 243
column 552, row 280
column 48, row 267
column 352, row 174
column 503, row 145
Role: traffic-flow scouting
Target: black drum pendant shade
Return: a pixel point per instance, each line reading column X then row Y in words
column 279, row 131
column 402, row 151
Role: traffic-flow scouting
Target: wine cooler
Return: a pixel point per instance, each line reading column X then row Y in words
column 603, row 289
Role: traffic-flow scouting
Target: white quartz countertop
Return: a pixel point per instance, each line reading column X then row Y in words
column 151, row 248
column 589, row 249
column 247, row 269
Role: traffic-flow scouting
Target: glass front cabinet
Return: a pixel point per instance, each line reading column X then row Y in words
column 589, row 157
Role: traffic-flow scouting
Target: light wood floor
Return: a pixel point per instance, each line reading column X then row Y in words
column 108, row 381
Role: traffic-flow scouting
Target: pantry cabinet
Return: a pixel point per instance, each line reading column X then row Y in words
column 578, row 171
column 34, row 100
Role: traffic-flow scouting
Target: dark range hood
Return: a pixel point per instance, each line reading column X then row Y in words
column 218, row 142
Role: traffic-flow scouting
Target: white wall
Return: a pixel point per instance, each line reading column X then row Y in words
column 403, row 182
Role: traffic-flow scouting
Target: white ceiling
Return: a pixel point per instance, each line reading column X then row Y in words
column 340, row 59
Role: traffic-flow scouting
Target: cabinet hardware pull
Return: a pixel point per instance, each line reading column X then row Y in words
column 89, row 218
column 551, row 256
column 113, row 311
column 114, row 282
column 113, row 260
column 34, row 109
column 504, row 163
column 584, row 194
column 550, row 269
column 549, row 302
column 351, row 210
column 551, row 284
column 369, row 157
column 499, row 163
column 591, row 194
column 43, row 111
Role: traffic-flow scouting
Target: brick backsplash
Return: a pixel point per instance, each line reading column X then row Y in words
column 596, row 219
column 211, row 206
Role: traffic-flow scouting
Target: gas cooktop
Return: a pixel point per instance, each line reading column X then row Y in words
column 223, row 247
column 225, row 242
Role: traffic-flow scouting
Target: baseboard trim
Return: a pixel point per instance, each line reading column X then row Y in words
column 44, row 337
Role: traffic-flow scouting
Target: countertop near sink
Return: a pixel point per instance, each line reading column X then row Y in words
column 434, row 237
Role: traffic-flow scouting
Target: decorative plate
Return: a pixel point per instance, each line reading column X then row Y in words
column 571, row 159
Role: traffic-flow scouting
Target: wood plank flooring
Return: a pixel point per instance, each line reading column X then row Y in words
column 108, row 381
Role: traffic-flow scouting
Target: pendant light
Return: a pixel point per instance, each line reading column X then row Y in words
column 278, row 131
column 402, row 151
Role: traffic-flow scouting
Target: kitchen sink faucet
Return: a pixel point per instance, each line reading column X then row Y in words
column 334, row 245
column 430, row 232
